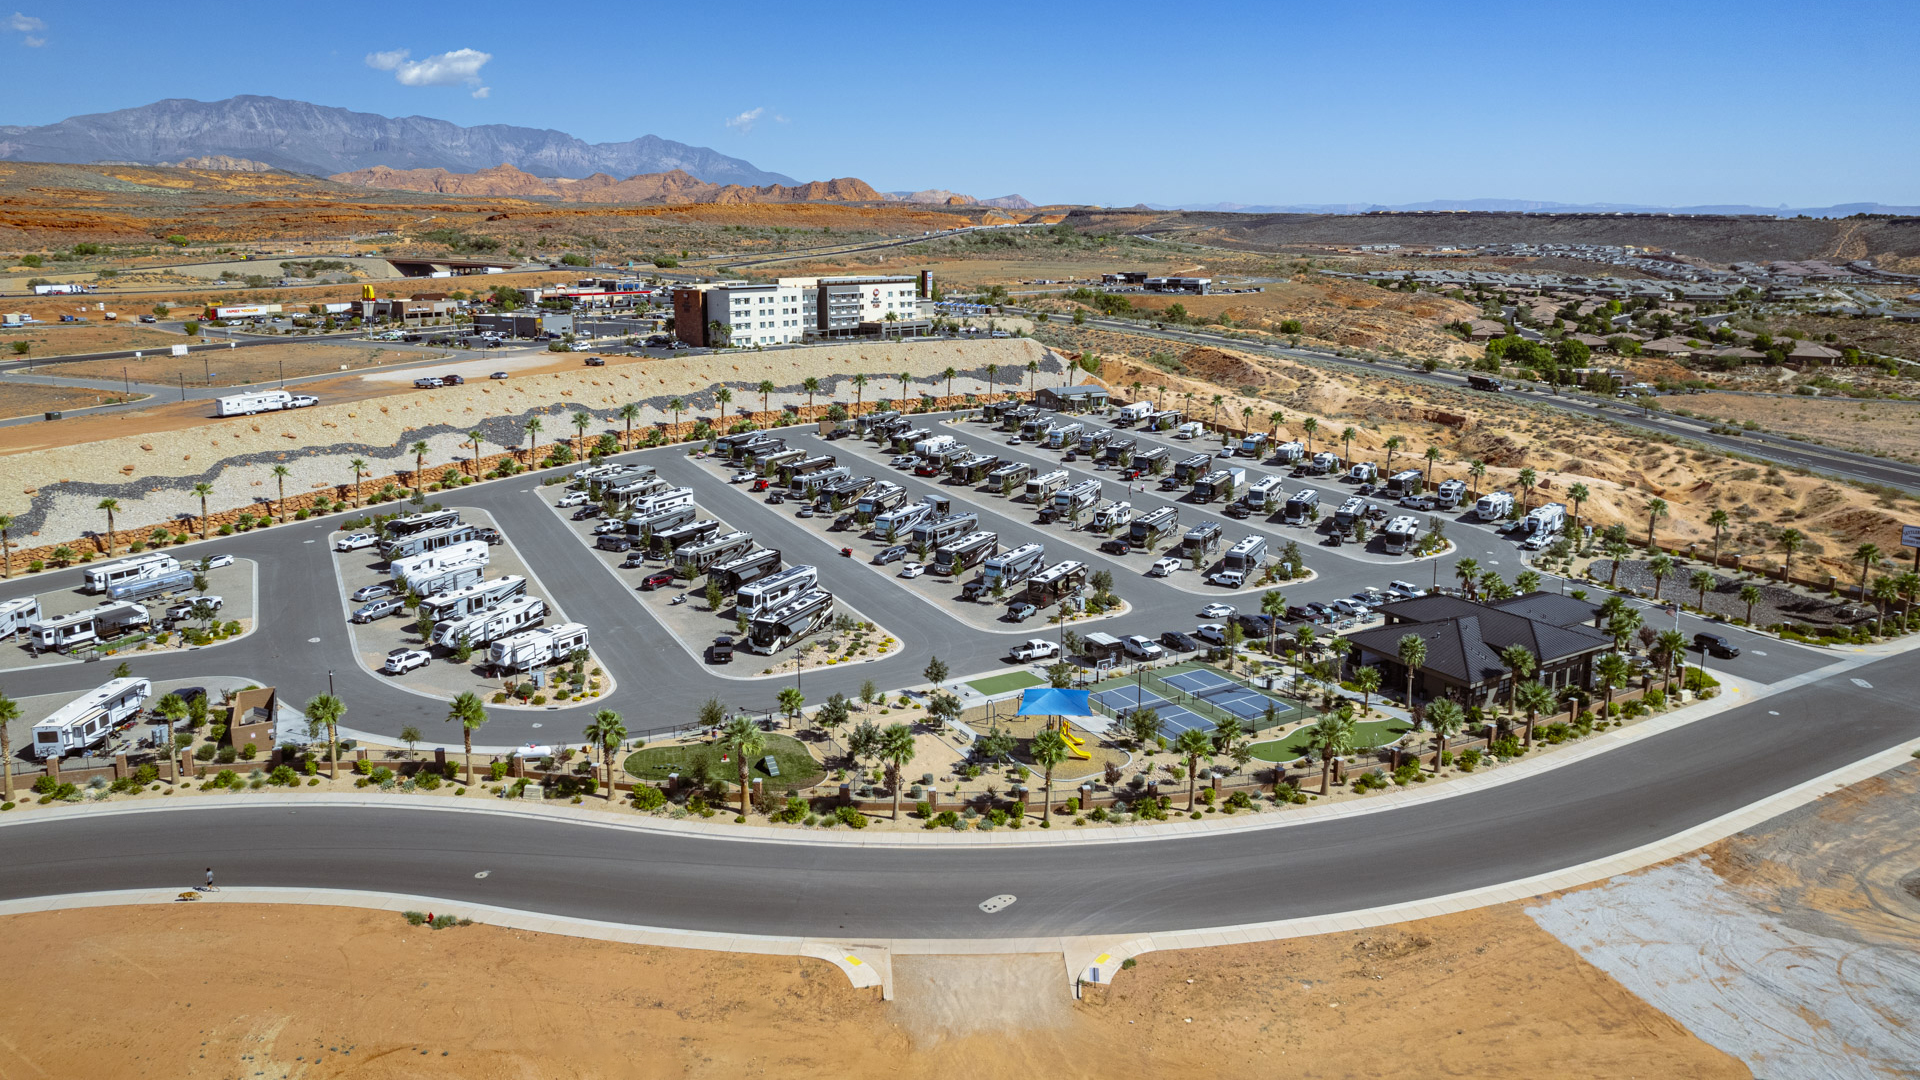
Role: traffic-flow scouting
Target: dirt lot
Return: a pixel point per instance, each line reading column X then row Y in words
column 1890, row 428
column 56, row 339
column 237, row 367
column 27, row 399
column 312, row 992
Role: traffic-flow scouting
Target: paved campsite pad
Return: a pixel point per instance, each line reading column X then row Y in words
column 233, row 584
column 798, row 769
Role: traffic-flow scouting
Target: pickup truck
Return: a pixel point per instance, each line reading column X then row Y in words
column 1036, row 649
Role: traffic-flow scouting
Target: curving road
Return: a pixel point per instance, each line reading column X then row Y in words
column 1607, row 804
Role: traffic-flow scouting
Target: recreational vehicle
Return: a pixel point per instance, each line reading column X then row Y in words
column 693, row 532
column 1301, row 506
column 1040, row 489
column 529, row 649
column 487, row 627
column 1247, row 555
column 881, row 497
column 18, row 614
column 1064, row 437
column 249, row 404
column 745, row 569
column 1289, row 452
column 1113, row 516
column 966, row 552
column 1080, row 497
column 777, row 629
column 1190, row 468
column 1218, row 482
column 149, row 587
column 1010, row 568
column 774, row 590
column 946, row 529
column 419, row 543
column 1055, row 581
column 693, row 559
column 1013, row 473
column 1200, row 540
column 98, row 579
column 89, row 718
column 68, row 632
column 1493, row 506
column 429, row 521
column 415, row 566
column 1400, row 534
column 1147, row 531
column 1406, row 482
column 480, row 596
column 1261, row 495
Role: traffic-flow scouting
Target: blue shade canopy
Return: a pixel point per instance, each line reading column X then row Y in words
column 1048, row 702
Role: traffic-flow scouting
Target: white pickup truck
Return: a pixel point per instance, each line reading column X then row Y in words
column 1035, row 649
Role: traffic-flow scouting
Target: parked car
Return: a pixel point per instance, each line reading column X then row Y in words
column 591, row 510
column 574, row 498
column 215, row 562
column 611, row 525
column 805, row 512
column 613, row 542
column 1212, row 633
column 1179, row 642
column 912, row 569
column 721, row 651
column 761, row 484
column 926, row 468
column 742, row 477
column 428, row 382
column 489, row 534
column 1020, row 611
column 901, row 461
column 405, row 660
column 1231, row 579
column 596, row 361
column 379, row 609
column 371, row 592
column 1716, row 645
column 1218, row 611
column 775, row 499
column 1116, row 547
column 1163, row 567
column 452, row 380
column 892, row 554
column 1071, row 455
column 498, row 375
column 355, row 541
column 656, row 580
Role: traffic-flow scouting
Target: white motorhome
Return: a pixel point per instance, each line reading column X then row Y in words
column 1289, row 452
column 1400, row 534
column 401, row 547
column 1012, row 567
column 1322, row 463
column 1363, row 472
column 1134, row 412
column 249, row 404
column 98, row 579
column 89, row 719
column 934, row 446
column 1066, row 436
column 1262, row 494
column 1542, row 523
column 18, row 614
column 898, row 521
column 1040, row 489
column 448, row 579
column 529, row 649
column 1189, row 430
column 777, row 629
column 1113, row 516
column 771, row 592
column 884, row 495
column 1079, row 497
column 486, row 627
column 1493, row 506
column 461, row 554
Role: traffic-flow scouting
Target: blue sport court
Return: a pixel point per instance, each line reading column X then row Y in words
column 1217, row 689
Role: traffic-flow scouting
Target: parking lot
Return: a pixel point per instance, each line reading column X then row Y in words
column 232, row 583
column 442, row 676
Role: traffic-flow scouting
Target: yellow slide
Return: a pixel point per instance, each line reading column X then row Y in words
column 1076, row 745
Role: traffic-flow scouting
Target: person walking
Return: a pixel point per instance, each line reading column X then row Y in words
column 209, row 879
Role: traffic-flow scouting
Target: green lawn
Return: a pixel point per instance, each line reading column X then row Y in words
column 797, row 767
column 1371, row 733
column 1012, row 680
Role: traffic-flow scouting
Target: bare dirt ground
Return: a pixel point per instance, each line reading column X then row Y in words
column 239, row 367
column 1891, row 428
column 26, row 399
column 55, row 339
column 312, row 992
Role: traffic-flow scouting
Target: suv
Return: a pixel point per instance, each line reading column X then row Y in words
column 400, row 661
column 613, row 542
column 489, row 534
column 892, row 554
column 1716, row 645
column 1116, row 547
column 452, row 380
column 596, row 361
column 656, row 580
column 1174, row 639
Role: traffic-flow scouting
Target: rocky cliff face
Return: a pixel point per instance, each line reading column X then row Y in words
column 302, row 137
column 672, row 187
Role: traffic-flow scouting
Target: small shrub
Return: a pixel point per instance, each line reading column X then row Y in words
column 414, row 918
column 648, row 797
column 851, row 818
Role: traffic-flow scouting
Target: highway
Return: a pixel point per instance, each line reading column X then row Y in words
column 1640, row 792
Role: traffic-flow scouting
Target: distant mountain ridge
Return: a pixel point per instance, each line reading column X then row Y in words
column 943, row 197
column 1509, row 206
column 673, row 187
column 321, row 140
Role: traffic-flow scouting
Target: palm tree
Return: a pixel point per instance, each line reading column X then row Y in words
column 1521, row 663
column 469, row 713
column 474, row 438
column 896, row 750
column 724, row 396
column 606, row 732
column 1749, row 595
column 110, row 505
column 1612, row 669
column 1048, row 750
column 1346, row 436
column 948, row 374
column 1433, row 456
column 1033, row 368
column 1477, row 469
column 1656, row 508
column 173, row 709
column 582, row 420
column 1701, row 581
column 419, row 450
column 629, row 413
column 1273, row 604
column 766, row 395
column 1135, row 388
column 1659, row 566
column 1671, row 647
column 993, row 372
column 745, row 741
column 1533, row 699
column 1246, row 419
column 1445, row 717
column 1413, row 653
column 1617, row 552
column 1194, row 745
column 204, row 489
column 1468, row 571
column 1218, row 400
column 1526, row 581
column 323, row 713
column 1578, row 494
column 6, row 546
column 1393, row 444
column 1625, row 623
column 1273, row 423
column 280, row 474
column 1366, row 680
column 1885, row 589
column 1527, row 479
column 1868, row 554
column 676, row 406
column 533, row 427
column 1791, row 540
column 1309, row 425
column 1330, row 736
column 1718, row 521
column 359, row 467
column 9, row 712
column 903, row 377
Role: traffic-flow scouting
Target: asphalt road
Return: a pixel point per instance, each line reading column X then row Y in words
column 303, row 636
column 1604, row 805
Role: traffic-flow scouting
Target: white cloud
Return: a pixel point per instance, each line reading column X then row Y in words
column 25, row 23
column 745, row 121
column 461, row 67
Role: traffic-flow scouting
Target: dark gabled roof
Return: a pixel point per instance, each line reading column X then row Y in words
column 1464, row 639
column 1550, row 608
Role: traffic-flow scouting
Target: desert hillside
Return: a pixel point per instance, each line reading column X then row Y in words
column 673, row 187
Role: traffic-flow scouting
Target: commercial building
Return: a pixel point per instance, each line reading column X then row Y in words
column 1198, row 286
column 791, row 310
column 1071, row 398
column 1465, row 638
column 524, row 324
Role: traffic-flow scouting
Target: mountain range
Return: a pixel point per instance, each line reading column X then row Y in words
column 675, row 186
column 321, row 140
column 1526, row 206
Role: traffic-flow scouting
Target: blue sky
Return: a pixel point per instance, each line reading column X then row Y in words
column 1763, row 102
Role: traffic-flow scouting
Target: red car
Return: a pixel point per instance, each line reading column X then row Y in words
column 760, row 485
column 656, row 579
column 926, row 470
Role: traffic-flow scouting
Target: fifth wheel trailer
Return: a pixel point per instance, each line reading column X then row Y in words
column 777, row 629
column 1493, row 506
column 18, row 614
column 480, row 596
column 431, row 540
column 416, row 566
column 88, row 719
column 249, row 404
column 67, row 632
column 487, row 627
column 529, row 649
